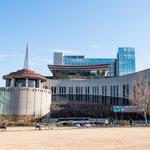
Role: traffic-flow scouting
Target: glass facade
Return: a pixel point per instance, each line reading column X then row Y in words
column 81, row 61
column 86, row 61
column 122, row 65
column 125, row 61
column 80, row 74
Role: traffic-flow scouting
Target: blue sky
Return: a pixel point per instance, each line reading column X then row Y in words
column 95, row 28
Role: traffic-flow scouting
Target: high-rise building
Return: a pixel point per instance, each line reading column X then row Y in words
column 77, row 66
column 58, row 58
column 125, row 60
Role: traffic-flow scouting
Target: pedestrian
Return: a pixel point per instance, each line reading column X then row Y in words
column 130, row 121
column 106, row 123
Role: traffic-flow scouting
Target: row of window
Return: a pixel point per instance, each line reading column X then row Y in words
column 22, row 83
column 89, row 99
column 114, row 90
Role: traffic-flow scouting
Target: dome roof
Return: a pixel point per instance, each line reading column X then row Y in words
column 23, row 73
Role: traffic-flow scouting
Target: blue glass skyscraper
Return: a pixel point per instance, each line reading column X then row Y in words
column 125, row 60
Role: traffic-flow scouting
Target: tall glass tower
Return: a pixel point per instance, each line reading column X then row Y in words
column 125, row 60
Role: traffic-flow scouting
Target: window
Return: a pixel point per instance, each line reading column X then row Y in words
column 81, row 90
column 54, row 90
column 76, row 90
column 125, row 90
column 117, row 92
column 32, row 83
column 111, row 91
column 70, row 90
column 93, row 90
column 103, row 90
column 20, row 83
column 64, row 90
column 114, row 91
column 97, row 90
column 87, row 90
column 8, row 83
column 59, row 90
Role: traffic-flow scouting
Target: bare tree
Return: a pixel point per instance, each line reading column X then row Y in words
column 55, row 108
column 141, row 96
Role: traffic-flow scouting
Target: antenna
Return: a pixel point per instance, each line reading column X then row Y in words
column 26, row 59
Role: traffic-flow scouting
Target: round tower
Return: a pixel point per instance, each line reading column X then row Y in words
column 24, row 78
column 24, row 96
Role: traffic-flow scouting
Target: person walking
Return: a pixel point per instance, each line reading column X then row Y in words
column 130, row 121
column 106, row 123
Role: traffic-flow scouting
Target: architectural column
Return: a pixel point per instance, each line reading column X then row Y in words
column 40, row 85
column 12, row 82
column 26, row 82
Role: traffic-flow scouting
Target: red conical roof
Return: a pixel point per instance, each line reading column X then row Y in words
column 25, row 73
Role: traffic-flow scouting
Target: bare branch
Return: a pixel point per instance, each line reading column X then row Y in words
column 141, row 95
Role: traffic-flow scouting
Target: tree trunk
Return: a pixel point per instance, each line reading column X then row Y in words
column 145, row 116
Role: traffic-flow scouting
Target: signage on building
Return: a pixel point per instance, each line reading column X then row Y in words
column 128, row 109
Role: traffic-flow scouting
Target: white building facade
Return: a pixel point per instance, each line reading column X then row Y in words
column 24, row 95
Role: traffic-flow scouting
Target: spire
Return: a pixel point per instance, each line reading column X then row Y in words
column 26, row 59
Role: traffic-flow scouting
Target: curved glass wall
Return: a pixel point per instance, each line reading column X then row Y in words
column 80, row 74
